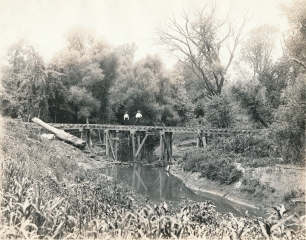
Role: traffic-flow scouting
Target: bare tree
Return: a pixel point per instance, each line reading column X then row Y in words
column 200, row 43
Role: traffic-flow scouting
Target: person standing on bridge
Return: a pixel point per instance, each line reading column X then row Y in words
column 138, row 117
column 126, row 118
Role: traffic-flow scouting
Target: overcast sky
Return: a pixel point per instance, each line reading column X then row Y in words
column 44, row 22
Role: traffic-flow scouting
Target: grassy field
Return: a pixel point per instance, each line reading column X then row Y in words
column 47, row 192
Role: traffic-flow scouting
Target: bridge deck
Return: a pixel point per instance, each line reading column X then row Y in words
column 212, row 131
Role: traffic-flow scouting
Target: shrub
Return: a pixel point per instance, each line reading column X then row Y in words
column 255, row 145
column 213, row 165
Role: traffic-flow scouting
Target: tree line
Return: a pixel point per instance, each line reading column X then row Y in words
column 224, row 77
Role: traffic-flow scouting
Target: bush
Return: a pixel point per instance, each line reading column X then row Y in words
column 212, row 165
column 256, row 145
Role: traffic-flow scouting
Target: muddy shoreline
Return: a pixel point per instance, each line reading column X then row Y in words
column 203, row 185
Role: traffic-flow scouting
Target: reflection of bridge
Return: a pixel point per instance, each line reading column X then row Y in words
column 157, row 183
column 111, row 135
column 163, row 187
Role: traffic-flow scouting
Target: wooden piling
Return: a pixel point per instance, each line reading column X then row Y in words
column 139, row 147
column 116, row 141
column 161, row 133
column 133, row 144
column 106, row 143
column 167, row 146
column 170, row 144
column 204, row 140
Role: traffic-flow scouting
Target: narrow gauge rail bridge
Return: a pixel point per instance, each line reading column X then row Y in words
column 111, row 135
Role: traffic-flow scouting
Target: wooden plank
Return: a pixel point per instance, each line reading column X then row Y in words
column 140, row 146
column 111, row 145
column 216, row 131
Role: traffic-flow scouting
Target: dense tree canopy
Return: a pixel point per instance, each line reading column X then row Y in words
column 90, row 79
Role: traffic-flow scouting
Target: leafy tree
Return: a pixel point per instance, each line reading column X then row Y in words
column 251, row 97
column 289, row 127
column 58, row 97
column 181, row 100
column 144, row 86
column 24, row 82
column 295, row 40
column 289, row 118
column 218, row 112
column 84, row 103
column 81, row 73
column 257, row 50
column 79, row 39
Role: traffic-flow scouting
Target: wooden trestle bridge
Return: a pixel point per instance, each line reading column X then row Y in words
column 110, row 136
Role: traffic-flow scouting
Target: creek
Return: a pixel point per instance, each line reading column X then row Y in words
column 160, row 186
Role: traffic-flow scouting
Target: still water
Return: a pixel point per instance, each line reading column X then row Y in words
column 161, row 186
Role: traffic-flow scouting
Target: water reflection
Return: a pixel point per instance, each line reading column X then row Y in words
column 161, row 186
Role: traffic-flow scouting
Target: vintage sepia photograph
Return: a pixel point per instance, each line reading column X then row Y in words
column 153, row 119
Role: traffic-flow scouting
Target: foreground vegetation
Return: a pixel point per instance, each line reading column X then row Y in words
column 46, row 195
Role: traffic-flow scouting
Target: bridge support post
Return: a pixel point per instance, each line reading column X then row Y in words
column 139, row 147
column 88, row 137
column 162, row 148
column 166, row 145
column 116, row 141
column 106, row 143
column 204, row 140
column 200, row 138
column 133, row 143
column 81, row 131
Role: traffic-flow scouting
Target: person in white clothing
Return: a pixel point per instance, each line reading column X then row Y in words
column 126, row 118
column 138, row 117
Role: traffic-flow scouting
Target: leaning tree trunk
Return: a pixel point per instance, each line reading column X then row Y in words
column 61, row 134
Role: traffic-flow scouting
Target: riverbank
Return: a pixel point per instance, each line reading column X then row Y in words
column 260, row 187
column 266, row 186
column 203, row 185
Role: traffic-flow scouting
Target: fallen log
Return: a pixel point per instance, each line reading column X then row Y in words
column 61, row 134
